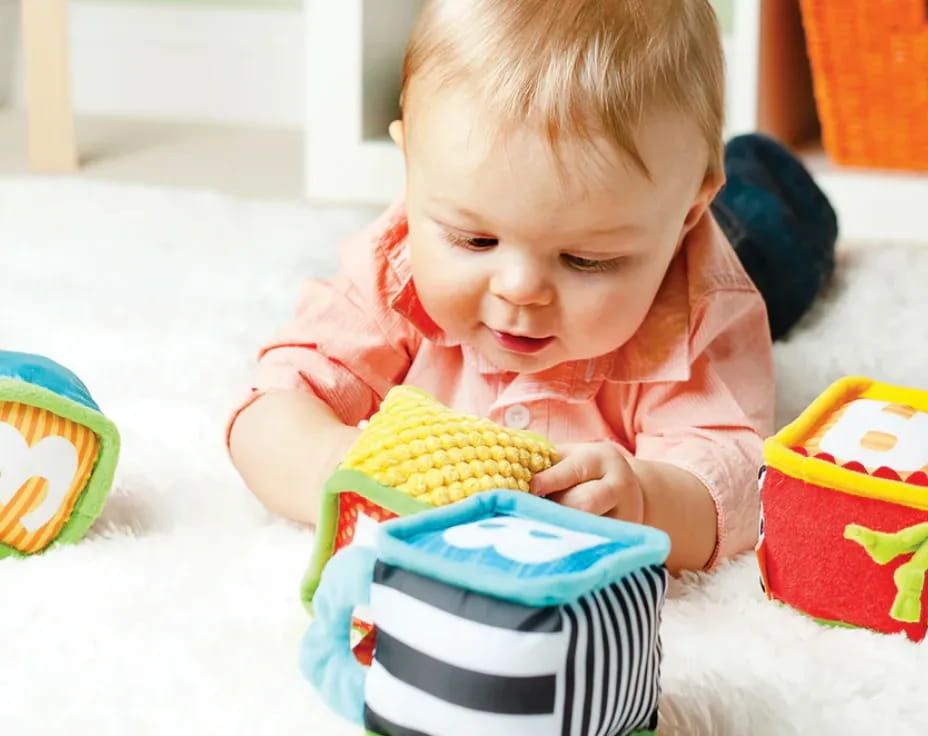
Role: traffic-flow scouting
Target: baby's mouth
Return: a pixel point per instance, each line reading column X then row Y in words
column 521, row 343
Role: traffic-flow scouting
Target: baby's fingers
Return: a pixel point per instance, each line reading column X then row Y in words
column 594, row 497
column 575, row 467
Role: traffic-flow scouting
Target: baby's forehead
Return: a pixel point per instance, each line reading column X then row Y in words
column 454, row 132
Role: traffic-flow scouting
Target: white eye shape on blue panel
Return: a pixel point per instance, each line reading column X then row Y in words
column 521, row 540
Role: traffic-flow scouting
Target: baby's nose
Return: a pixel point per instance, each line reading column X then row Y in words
column 522, row 285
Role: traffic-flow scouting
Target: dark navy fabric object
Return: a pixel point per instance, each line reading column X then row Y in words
column 780, row 224
column 45, row 373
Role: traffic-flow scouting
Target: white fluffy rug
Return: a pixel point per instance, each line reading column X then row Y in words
column 179, row 613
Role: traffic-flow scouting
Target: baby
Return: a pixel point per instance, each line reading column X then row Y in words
column 552, row 265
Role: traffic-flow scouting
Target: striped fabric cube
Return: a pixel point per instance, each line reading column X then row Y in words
column 503, row 615
column 57, row 455
column 590, row 666
column 414, row 454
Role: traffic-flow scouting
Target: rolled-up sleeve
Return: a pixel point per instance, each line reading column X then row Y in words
column 345, row 344
column 713, row 425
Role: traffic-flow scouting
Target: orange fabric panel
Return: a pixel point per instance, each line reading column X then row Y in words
column 35, row 425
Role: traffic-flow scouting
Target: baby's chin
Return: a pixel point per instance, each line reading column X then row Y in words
column 507, row 361
column 511, row 362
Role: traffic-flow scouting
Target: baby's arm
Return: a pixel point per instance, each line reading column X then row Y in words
column 322, row 374
column 702, row 439
column 679, row 503
column 285, row 445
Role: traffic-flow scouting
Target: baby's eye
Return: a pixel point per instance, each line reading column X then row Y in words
column 474, row 243
column 588, row 264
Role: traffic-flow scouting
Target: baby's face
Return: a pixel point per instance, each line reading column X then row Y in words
column 532, row 264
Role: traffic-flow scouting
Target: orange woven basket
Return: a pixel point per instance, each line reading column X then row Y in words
column 869, row 63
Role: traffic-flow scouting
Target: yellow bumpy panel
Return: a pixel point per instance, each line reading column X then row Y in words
column 436, row 455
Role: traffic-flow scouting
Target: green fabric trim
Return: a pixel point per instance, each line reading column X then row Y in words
column 362, row 484
column 342, row 481
column 90, row 502
column 833, row 624
column 821, row 621
column 322, row 548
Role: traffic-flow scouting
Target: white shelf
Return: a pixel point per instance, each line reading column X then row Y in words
column 768, row 89
column 354, row 57
column 742, row 61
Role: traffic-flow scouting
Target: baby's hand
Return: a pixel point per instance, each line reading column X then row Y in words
column 595, row 477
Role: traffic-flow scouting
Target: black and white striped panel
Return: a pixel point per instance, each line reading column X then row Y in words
column 451, row 662
column 612, row 683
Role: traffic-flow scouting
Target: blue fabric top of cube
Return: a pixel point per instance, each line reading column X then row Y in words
column 520, row 548
column 45, row 373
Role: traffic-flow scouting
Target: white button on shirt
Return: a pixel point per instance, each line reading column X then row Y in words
column 517, row 416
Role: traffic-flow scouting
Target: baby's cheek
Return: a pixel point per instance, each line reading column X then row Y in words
column 451, row 302
column 607, row 324
column 446, row 280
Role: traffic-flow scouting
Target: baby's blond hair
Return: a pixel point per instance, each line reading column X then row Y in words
column 586, row 67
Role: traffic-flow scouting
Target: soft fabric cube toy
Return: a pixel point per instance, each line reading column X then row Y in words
column 844, row 525
column 501, row 615
column 416, row 454
column 57, row 455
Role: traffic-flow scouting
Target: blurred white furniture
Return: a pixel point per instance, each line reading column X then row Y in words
column 355, row 51
column 52, row 146
column 354, row 54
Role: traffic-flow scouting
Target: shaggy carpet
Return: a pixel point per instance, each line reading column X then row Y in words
column 179, row 612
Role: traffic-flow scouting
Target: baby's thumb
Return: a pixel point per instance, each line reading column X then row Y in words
column 559, row 477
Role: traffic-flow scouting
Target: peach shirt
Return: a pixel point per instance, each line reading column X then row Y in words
column 693, row 387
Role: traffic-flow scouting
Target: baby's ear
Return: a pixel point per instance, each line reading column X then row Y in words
column 398, row 134
column 708, row 190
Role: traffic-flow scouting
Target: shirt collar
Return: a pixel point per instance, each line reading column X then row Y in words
column 657, row 352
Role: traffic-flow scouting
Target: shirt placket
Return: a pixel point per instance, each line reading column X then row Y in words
column 526, row 405
column 534, row 415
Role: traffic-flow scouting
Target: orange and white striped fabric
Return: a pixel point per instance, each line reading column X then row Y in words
column 35, row 425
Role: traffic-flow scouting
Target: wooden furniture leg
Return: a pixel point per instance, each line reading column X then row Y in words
column 52, row 145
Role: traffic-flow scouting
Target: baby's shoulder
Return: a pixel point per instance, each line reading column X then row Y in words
column 374, row 259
